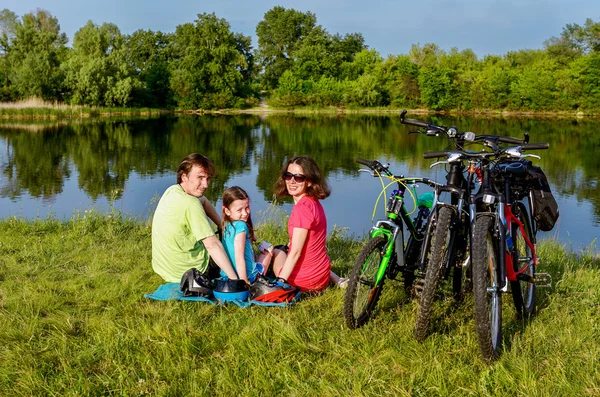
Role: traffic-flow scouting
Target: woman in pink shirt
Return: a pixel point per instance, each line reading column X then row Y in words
column 307, row 264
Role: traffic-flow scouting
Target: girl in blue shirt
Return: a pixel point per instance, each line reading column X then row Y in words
column 238, row 236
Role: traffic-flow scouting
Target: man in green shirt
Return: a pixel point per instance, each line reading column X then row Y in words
column 182, row 237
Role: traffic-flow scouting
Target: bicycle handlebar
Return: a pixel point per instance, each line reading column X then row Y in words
column 365, row 162
column 535, row 146
column 433, row 155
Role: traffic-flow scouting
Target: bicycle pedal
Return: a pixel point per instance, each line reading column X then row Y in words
column 543, row 280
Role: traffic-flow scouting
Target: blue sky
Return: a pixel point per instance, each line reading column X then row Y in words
column 389, row 26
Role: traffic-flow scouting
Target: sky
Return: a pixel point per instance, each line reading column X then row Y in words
column 488, row 27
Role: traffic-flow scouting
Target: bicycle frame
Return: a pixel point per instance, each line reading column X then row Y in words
column 393, row 230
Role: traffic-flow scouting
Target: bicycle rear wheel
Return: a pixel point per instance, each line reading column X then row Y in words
column 362, row 294
column 523, row 291
column 436, row 257
column 486, row 289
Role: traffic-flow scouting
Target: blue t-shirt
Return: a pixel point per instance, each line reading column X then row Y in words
column 231, row 230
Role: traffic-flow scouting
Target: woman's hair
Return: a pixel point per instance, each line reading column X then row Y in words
column 319, row 188
column 229, row 196
column 195, row 159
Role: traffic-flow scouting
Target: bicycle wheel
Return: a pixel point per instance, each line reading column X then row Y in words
column 486, row 291
column 436, row 257
column 362, row 294
column 523, row 291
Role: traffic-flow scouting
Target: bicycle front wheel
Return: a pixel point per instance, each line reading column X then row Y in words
column 523, row 291
column 362, row 293
column 486, row 289
column 436, row 258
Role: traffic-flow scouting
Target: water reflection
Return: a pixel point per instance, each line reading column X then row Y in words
column 60, row 167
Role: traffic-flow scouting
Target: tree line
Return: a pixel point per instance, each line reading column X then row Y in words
column 204, row 65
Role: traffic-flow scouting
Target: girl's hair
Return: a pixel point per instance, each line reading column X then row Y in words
column 319, row 188
column 195, row 159
column 229, row 196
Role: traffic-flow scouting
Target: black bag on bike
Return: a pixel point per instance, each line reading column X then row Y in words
column 545, row 207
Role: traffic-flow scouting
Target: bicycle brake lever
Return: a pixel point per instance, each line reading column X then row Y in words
column 531, row 155
column 367, row 171
column 438, row 163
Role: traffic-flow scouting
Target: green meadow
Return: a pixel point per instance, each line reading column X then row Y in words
column 74, row 322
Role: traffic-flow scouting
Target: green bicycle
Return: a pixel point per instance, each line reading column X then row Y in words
column 385, row 255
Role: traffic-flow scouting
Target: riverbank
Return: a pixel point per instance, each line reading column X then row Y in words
column 74, row 322
column 35, row 109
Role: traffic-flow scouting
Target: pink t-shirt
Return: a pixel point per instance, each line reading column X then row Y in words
column 311, row 272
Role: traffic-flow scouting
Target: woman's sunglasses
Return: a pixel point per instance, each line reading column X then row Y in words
column 297, row 177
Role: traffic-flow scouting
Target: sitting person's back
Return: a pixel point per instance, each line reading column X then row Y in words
column 182, row 237
column 178, row 226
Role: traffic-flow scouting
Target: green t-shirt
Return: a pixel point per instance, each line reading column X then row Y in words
column 178, row 226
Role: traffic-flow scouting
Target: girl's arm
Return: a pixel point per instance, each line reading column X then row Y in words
column 239, row 246
column 211, row 212
column 299, row 237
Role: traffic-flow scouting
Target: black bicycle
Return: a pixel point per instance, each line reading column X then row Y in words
column 502, row 236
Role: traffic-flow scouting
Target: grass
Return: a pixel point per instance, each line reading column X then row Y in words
column 36, row 108
column 74, row 322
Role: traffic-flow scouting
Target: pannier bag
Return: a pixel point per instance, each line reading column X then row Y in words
column 545, row 207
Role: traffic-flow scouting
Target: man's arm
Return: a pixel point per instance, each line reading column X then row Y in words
column 211, row 212
column 216, row 251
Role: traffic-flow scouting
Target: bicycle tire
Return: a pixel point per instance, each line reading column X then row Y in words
column 437, row 254
column 360, row 300
column 486, row 292
column 523, row 292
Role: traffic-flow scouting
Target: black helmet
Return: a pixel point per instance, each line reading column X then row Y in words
column 194, row 283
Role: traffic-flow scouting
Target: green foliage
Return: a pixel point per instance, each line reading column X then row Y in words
column 96, row 72
column 279, row 36
column 35, row 55
column 210, row 67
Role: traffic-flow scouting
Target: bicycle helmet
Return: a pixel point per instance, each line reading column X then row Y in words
column 264, row 290
column 231, row 290
column 194, row 283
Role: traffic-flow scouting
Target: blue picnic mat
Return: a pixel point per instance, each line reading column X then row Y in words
column 171, row 291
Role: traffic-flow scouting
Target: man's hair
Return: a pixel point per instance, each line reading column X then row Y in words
column 319, row 188
column 195, row 159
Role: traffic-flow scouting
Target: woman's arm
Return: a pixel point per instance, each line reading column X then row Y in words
column 239, row 246
column 299, row 237
column 211, row 212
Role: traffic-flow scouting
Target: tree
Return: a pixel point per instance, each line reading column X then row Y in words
column 8, row 23
column 211, row 66
column 279, row 36
column 37, row 51
column 574, row 41
column 97, row 72
column 148, row 54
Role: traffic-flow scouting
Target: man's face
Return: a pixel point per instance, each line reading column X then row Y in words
column 195, row 182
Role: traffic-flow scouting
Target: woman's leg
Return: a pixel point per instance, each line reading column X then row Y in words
column 279, row 257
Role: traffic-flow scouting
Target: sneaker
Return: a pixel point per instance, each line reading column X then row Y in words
column 343, row 282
